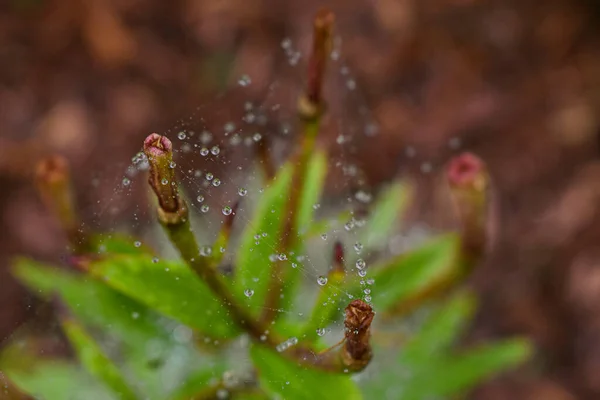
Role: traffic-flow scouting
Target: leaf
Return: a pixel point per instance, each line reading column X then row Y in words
column 118, row 244
column 391, row 204
column 54, row 380
column 198, row 381
column 151, row 352
column 169, row 287
column 454, row 374
column 95, row 361
column 440, row 330
column 285, row 378
column 411, row 272
column 260, row 241
column 92, row 302
column 313, row 186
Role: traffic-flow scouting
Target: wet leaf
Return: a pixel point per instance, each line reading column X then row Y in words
column 285, row 378
column 95, row 361
column 170, row 288
column 413, row 271
column 92, row 302
column 260, row 241
column 118, row 244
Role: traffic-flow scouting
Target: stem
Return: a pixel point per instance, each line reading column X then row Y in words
column 328, row 299
column 223, row 238
column 53, row 181
column 469, row 187
column 310, row 110
column 177, row 226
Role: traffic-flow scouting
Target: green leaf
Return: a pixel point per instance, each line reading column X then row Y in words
column 118, row 244
column 454, row 374
column 259, row 241
column 92, row 302
column 199, row 381
column 169, row 287
column 54, row 380
column 285, row 378
column 316, row 173
column 408, row 273
column 391, row 204
column 95, row 361
column 313, row 186
column 440, row 330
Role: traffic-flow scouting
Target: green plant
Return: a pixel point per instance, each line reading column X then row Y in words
column 144, row 327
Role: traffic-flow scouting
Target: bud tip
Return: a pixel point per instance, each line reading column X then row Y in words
column 464, row 169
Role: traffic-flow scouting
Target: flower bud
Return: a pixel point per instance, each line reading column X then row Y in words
column 53, row 180
column 312, row 103
column 357, row 349
column 469, row 186
column 159, row 151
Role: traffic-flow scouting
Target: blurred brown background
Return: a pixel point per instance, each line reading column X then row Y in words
column 517, row 82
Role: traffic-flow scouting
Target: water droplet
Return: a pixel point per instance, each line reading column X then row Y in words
column 321, row 331
column 137, row 244
column 361, row 264
column 286, row 43
column 204, row 208
column 200, row 198
column 181, row 135
column 363, row 196
column 362, row 273
column 227, row 210
column 426, row 167
column 215, row 150
column 287, row 344
column 229, row 127
column 322, row 280
column 324, row 236
column 209, row 176
column 164, row 181
column 204, row 151
column 126, row 181
column 349, row 225
column 282, row 257
column 370, row 281
column 242, row 192
column 294, row 265
column 256, row 137
column 244, row 80
column 367, row 298
column 172, row 164
column 248, row 292
column 316, row 206
column 351, row 84
column 222, row 394
column 205, row 251
column 155, row 260
column 216, row 182
column 367, row 291
column 358, row 247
